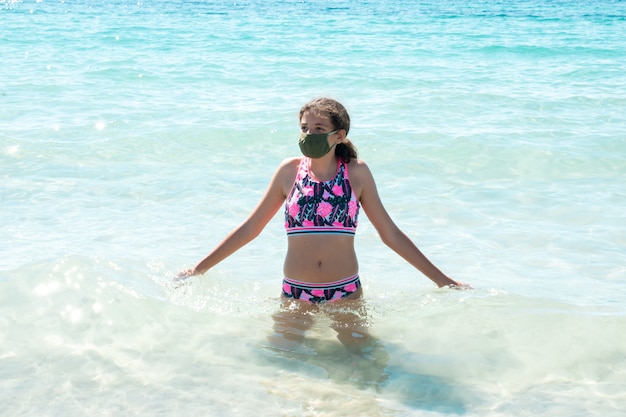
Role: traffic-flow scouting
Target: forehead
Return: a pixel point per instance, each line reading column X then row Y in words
column 313, row 117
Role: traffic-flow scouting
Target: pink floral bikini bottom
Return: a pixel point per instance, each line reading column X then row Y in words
column 322, row 292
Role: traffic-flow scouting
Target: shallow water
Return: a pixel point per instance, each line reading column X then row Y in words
column 134, row 136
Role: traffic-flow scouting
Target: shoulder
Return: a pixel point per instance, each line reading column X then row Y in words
column 359, row 170
column 360, row 176
column 286, row 172
column 289, row 165
column 295, row 160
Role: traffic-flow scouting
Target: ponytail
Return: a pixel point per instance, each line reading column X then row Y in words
column 346, row 150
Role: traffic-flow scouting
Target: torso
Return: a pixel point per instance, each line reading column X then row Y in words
column 321, row 218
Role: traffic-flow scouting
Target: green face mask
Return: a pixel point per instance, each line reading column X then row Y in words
column 315, row 145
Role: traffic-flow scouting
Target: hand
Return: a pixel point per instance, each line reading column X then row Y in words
column 444, row 281
column 183, row 275
column 459, row 286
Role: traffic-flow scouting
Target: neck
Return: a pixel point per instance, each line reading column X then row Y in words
column 324, row 168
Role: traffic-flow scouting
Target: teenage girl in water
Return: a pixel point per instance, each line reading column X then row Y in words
column 322, row 193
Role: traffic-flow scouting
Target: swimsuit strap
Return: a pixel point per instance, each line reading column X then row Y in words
column 303, row 169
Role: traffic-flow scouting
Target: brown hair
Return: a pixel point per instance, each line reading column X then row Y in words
column 340, row 119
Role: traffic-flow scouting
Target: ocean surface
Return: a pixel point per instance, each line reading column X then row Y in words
column 134, row 135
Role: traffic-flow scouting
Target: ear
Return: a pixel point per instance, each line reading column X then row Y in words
column 341, row 135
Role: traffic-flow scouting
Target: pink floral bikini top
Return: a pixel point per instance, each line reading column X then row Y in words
column 328, row 207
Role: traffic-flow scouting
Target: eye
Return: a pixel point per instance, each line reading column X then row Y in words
column 303, row 128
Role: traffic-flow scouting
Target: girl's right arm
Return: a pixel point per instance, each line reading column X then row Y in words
column 270, row 203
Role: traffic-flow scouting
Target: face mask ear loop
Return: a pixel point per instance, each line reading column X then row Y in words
column 328, row 135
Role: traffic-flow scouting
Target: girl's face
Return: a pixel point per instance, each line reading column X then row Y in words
column 315, row 123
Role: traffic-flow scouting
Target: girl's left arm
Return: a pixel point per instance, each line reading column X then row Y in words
column 391, row 234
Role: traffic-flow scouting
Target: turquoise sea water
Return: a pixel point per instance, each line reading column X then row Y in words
column 135, row 135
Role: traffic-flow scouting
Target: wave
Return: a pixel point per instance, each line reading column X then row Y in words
column 90, row 328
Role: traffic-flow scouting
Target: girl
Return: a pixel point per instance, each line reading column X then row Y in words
column 322, row 193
